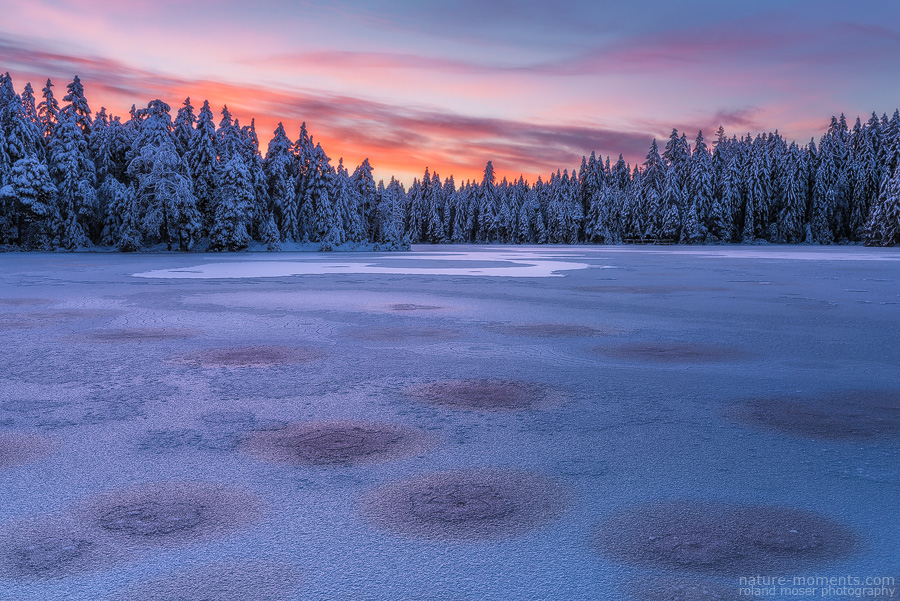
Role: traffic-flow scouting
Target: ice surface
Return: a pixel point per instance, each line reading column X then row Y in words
column 634, row 378
column 515, row 264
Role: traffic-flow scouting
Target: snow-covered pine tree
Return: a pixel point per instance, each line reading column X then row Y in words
column 324, row 226
column 184, row 127
column 231, row 227
column 652, row 181
column 668, row 226
column 792, row 214
column 202, row 162
column 73, row 174
column 77, row 106
column 883, row 228
column 29, row 214
column 165, row 192
column 305, row 165
column 48, row 111
column 364, row 184
column 711, row 218
column 345, row 201
column 279, row 171
column 434, row 207
column 451, row 200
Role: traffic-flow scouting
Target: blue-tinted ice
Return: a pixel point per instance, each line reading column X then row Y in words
column 757, row 385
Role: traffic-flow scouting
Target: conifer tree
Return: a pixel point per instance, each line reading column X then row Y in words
column 184, row 127
column 231, row 226
column 29, row 214
column 202, row 163
column 77, row 106
column 48, row 111
column 73, row 173
column 279, row 172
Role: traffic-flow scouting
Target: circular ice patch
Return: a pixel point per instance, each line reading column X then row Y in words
column 20, row 449
column 474, row 504
column 136, row 335
column 168, row 513
column 544, row 330
column 402, row 334
column 252, row 356
column 720, row 538
column 847, row 415
column 152, row 518
column 46, row 548
column 674, row 352
column 482, row 394
column 335, row 443
column 401, row 307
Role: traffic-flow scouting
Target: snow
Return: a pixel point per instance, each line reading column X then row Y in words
column 515, row 264
column 646, row 351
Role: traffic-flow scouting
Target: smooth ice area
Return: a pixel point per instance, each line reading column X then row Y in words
column 514, row 264
column 150, row 419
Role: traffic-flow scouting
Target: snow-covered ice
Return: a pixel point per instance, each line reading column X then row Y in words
column 435, row 392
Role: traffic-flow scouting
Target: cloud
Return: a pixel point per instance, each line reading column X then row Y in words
column 393, row 136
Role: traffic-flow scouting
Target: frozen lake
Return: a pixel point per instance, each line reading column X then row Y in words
column 454, row 423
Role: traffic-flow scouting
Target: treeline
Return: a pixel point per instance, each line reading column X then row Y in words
column 70, row 178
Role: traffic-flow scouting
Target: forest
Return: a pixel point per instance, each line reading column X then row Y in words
column 71, row 179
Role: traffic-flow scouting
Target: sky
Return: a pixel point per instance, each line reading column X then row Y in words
column 531, row 85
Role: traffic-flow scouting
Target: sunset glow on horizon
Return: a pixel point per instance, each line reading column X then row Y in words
column 452, row 85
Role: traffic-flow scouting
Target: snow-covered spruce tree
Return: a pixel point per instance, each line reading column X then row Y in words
column 29, row 215
column 324, row 226
column 73, row 174
column 184, row 127
column 77, row 106
column 824, row 196
column 121, row 227
column 231, row 226
column 668, row 217
column 259, row 212
column 451, row 200
column 652, row 181
column 305, row 166
column 390, row 216
column 435, row 204
column 364, row 184
column 792, row 215
column 109, row 144
column 709, row 212
column 883, row 228
column 19, row 137
column 202, row 162
column 48, row 111
column 677, row 154
column 279, row 172
column 346, row 207
column 165, row 193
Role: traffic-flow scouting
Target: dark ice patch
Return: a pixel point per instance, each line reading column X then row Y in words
column 169, row 513
column 473, row 504
column 402, row 334
column 482, row 394
column 402, row 307
column 544, row 330
column 335, row 443
column 675, row 352
column 20, row 449
column 252, row 356
column 718, row 538
column 135, row 335
column 846, row 415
